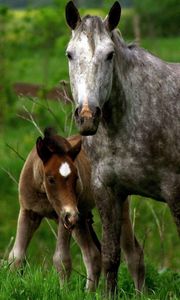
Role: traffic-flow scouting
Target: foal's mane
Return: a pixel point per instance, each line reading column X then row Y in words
column 56, row 143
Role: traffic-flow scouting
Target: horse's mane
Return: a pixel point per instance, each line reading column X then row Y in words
column 133, row 53
column 55, row 142
column 89, row 24
column 119, row 41
column 89, row 27
column 96, row 22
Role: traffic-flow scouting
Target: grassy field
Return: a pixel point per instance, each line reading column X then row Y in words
column 43, row 283
column 152, row 221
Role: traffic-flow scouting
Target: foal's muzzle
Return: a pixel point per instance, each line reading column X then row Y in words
column 87, row 119
column 70, row 219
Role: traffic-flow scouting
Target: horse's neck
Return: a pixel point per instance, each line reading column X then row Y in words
column 132, row 67
column 114, row 108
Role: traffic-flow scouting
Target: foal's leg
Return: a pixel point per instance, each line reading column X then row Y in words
column 28, row 222
column 90, row 252
column 133, row 252
column 62, row 257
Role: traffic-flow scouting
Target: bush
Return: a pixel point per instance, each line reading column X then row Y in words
column 159, row 18
column 126, row 23
column 6, row 95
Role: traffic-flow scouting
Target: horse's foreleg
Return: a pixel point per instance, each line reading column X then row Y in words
column 62, row 256
column 82, row 233
column 28, row 222
column 110, row 209
column 133, row 252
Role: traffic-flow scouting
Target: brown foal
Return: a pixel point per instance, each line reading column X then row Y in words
column 55, row 183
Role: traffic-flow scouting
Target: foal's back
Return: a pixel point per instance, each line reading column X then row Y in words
column 32, row 195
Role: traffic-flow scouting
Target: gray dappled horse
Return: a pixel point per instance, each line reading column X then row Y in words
column 128, row 106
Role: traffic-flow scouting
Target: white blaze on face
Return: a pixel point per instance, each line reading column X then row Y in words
column 64, row 169
column 90, row 71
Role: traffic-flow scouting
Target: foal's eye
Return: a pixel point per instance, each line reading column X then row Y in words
column 51, row 180
column 69, row 55
column 110, row 55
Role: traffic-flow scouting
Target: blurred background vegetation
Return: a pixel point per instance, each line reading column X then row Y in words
column 33, row 39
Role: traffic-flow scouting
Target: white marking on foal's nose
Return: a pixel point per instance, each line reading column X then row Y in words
column 64, row 169
column 69, row 209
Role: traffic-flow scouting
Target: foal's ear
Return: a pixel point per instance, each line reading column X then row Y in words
column 113, row 18
column 42, row 150
column 72, row 15
column 74, row 151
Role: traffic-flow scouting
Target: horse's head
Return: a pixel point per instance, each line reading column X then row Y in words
column 91, row 56
column 60, row 174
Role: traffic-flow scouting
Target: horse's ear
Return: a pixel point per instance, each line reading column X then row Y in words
column 42, row 150
column 72, row 15
column 113, row 18
column 74, row 151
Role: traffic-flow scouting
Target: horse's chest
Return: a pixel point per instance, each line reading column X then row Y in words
column 114, row 163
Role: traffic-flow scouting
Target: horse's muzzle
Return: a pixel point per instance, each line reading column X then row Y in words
column 87, row 120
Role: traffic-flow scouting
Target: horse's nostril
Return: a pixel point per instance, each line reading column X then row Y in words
column 70, row 220
column 76, row 113
column 97, row 112
column 81, row 121
column 66, row 218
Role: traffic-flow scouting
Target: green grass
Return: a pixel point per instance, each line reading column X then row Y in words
column 43, row 283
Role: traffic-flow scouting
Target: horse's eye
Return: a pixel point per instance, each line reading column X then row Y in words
column 51, row 180
column 69, row 55
column 110, row 55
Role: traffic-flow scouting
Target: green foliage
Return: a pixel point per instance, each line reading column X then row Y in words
column 36, row 29
column 126, row 25
column 27, row 42
column 166, row 48
column 5, row 90
column 159, row 18
column 45, row 26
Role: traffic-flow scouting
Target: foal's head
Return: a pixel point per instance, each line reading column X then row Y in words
column 60, row 174
column 91, row 56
